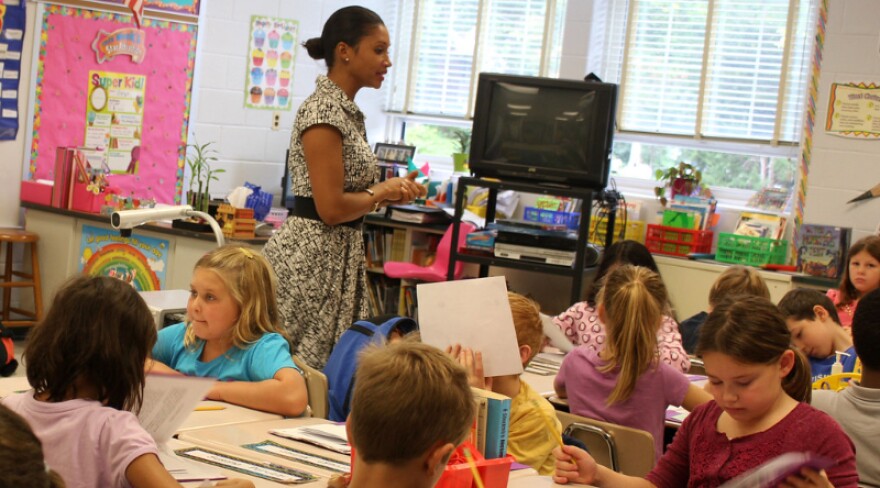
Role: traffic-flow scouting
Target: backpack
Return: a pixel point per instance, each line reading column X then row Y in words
column 8, row 364
column 342, row 363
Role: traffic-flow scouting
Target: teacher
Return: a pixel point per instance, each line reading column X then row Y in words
column 318, row 254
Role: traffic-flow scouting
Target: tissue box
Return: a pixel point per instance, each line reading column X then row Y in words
column 34, row 192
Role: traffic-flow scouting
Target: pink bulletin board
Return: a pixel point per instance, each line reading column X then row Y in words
column 66, row 58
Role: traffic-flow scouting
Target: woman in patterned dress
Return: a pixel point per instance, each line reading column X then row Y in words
column 318, row 254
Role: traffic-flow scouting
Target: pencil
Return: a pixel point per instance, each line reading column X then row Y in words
column 550, row 427
column 473, row 465
column 207, row 408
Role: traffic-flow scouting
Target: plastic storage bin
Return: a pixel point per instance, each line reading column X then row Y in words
column 494, row 472
column 568, row 219
column 677, row 242
column 635, row 230
column 750, row 251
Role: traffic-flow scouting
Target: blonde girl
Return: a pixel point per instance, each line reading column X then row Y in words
column 232, row 333
column 760, row 384
column 860, row 276
column 626, row 383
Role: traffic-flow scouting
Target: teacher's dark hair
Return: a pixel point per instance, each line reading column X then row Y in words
column 348, row 25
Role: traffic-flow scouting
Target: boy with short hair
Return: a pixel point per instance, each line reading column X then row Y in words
column 815, row 330
column 857, row 408
column 411, row 407
column 735, row 280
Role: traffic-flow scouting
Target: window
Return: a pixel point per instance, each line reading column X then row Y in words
column 442, row 46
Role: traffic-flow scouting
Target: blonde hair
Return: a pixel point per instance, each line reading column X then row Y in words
column 407, row 398
column 738, row 280
column 252, row 283
column 527, row 322
column 634, row 299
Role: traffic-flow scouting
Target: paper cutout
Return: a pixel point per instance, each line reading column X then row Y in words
column 122, row 42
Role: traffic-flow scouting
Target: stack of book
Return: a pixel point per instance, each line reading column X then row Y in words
column 756, row 224
column 692, row 213
column 491, row 426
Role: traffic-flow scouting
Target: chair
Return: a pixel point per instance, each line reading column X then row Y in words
column 437, row 270
column 316, row 385
column 623, row 449
column 836, row 382
column 30, row 280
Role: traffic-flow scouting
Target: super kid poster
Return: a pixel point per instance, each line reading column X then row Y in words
column 138, row 260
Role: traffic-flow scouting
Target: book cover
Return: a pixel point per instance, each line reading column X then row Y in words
column 756, row 224
column 480, row 423
column 775, row 471
column 822, row 250
column 497, row 423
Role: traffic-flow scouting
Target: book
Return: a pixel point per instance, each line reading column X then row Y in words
column 821, row 249
column 774, row 471
column 417, row 214
column 328, row 436
column 63, row 171
column 497, row 423
column 756, row 224
column 482, row 410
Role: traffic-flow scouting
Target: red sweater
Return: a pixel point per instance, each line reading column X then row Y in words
column 701, row 456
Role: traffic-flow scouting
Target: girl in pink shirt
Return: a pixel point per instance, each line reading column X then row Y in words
column 760, row 384
column 860, row 276
column 581, row 323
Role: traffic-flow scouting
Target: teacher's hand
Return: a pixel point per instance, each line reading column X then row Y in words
column 403, row 190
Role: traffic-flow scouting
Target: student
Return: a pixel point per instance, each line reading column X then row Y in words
column 759, row 383
column 860, row 276
column 21, row 455
column 625, row 383
column 232, row 334
column 85, row 361
column 857, row 408
column 735, row 280
column 581, row 322
column 529, row 440
column 815, row 329
column 410, row 409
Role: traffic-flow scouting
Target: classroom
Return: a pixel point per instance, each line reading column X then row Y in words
column 759, row 116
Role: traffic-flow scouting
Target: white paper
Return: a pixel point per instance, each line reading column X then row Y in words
column 328, row 436
column 168, row 401
column 183, row 469
column 473, row 313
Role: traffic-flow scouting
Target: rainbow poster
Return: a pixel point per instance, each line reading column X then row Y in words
column 138, row 260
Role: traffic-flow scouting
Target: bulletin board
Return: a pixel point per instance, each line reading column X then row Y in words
column 66, row 59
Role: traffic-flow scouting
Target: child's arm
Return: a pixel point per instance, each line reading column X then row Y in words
column 575, row 465
column 147, row 472
column 695, row 397
column 153, row 366
column 285, row 394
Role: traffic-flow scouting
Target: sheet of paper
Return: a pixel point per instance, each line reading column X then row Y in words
column 474, row 313
column 328, row 436
column 168, row 401
column 183, row 469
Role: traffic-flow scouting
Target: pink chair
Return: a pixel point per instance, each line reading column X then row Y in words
column 438, row 269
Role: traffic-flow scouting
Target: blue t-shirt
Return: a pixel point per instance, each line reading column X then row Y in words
column 820, row 368
column 257, row 362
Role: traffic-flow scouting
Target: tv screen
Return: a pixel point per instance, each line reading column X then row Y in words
column 543, row 129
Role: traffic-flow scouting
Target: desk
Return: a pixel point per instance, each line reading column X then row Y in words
column 12, row 385
column 536, row 481
column 229, row 415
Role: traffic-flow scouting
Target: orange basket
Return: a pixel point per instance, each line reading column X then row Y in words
column 661, row 239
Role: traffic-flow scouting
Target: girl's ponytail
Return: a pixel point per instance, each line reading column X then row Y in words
column 799, row 382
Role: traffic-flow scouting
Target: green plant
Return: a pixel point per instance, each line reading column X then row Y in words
column 199, row 159
column 683, row 179
column 462, row 137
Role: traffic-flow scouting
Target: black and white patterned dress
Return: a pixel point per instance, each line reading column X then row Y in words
column 320, row 268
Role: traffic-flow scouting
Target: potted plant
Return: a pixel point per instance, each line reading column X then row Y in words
column 683, row 179
column 462, row 138
column 198, row 196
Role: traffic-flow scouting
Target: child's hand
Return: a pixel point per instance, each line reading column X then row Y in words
column 473, row 364
column 235, row 483
column 339, row 481
column 807, row 478
column 574, row 465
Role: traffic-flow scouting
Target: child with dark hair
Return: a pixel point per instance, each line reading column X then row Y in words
column 21, row 455
column 861, row 275
column 815, row 329
column 857, row 407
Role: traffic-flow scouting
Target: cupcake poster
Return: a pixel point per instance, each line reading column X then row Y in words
column 271, row 51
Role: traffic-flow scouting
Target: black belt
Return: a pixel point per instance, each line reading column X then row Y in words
column 305, row 207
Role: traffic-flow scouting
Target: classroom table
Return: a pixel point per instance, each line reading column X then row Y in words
column 537, row 481
column 211, row 413
column 13, row 384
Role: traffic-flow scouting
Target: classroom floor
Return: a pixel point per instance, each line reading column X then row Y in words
column 19, row 349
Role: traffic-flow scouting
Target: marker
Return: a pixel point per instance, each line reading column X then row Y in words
column 209, row 408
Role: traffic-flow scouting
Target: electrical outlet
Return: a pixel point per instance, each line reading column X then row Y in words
column 276, row 120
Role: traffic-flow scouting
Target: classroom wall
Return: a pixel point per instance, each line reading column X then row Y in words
column 843, row 168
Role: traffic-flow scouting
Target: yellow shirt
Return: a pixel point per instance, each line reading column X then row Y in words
column 528, row 441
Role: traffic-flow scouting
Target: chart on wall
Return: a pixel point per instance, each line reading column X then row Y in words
column 96, row 68
column 138, row 260
column 270, row 63
column 854, row 110
column 12, row 23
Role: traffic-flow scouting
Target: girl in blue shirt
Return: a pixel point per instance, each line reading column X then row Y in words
column 232, row 333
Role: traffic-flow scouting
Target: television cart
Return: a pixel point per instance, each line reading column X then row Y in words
column 576, row 271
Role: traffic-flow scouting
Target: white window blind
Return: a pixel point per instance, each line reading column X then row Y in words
column 716, row 69
column 444, row 44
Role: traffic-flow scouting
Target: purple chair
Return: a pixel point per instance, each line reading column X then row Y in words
column 437, row 270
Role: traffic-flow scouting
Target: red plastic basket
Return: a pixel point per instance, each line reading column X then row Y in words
column 661, row 239
column 458, row 474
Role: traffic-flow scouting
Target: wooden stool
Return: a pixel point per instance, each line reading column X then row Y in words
column 30, row 280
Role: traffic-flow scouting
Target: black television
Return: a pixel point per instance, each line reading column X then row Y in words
column 543, row 129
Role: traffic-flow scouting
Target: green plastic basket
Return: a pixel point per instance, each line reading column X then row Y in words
column 750, row 251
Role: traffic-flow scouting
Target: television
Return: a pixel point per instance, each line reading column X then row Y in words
column 543, row 129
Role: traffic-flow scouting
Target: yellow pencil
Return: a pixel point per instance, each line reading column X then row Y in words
column 207, row 408
column 550, row 427
column 473, row 465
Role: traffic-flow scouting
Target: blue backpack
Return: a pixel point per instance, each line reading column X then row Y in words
column 342, row 363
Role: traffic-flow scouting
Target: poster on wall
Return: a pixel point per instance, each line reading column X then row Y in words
column 138, row 260
column 154, row 115
column 12, row 23
column 854, row 110
column 270, row 63
column 114, row 116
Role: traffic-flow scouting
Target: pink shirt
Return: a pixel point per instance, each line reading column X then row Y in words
column 88, row 444
column 582, row 326
column 587, row 389
column 701, row 456
column 845, row 313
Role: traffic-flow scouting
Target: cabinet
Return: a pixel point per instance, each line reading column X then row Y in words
column 575, row 272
